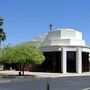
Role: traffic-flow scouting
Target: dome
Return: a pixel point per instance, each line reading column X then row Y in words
column 63, row 36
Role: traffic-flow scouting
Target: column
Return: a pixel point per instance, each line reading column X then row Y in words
column 63, row 60
column 79, row 60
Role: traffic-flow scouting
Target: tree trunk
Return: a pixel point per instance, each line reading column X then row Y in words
column 20, row 69
column 23, row 65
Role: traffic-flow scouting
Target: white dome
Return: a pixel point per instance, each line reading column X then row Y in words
column 63, row 37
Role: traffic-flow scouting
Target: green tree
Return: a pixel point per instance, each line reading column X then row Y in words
column 21, row 55
column 2, row 33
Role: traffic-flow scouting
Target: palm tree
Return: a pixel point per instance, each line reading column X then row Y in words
column 2, row 33
column 2, row 36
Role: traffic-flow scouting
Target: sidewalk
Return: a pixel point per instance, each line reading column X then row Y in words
column 43, row 74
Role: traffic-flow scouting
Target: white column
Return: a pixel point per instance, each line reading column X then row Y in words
column 63, row 60
column 79, row 60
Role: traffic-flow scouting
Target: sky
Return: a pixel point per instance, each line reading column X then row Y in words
column 26, row 19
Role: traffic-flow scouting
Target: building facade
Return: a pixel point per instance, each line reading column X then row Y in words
column 65, row 51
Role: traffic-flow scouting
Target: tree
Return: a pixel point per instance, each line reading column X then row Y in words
column 2, row 33
column 21, row 55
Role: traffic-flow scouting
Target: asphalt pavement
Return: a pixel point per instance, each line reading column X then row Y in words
column 58, row 83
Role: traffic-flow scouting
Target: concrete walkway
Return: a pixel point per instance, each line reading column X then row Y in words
column 43, row 74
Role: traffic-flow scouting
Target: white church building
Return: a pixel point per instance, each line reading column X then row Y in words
column 65, row 51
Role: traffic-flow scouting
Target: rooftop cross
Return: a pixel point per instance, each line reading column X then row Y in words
column 50, row 27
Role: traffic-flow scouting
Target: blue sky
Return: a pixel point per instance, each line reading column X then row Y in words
column 25, row 19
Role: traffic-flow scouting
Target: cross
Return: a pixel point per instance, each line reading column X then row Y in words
column 50, row 27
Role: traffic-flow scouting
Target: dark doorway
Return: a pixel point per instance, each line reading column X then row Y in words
column 52, row 62
column 71, row 61
column 85, row 62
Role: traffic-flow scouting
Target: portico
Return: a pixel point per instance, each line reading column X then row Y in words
column 68, row 59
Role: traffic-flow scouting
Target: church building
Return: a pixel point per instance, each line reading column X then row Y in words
column 65, row 51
